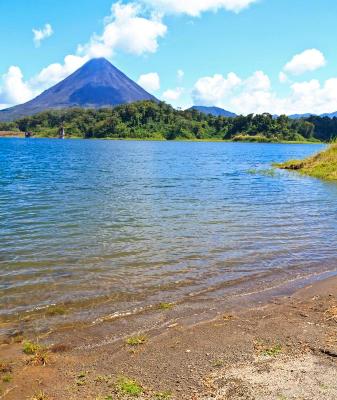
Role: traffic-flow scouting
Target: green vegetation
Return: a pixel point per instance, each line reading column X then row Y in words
column 128, row 386
column 273, row 351
column 7, row 378
column 266, row 172
column 31, row 348
column 217, row 363
column 165, row 306
column 162, row 395
column 55, row 310
column 39, row 353
column 322, row 165
column 151, row 120
column 136, row 340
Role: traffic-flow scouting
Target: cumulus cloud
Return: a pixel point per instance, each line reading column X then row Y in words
column 55, row 72
column 211, row 90
column 308, row 60
column 41, row 34
column 234, row 93
column 256, row 95
column 173, row 94
column 126, row 30
column 180, row 75
column 282, row 77
column 196, row 7
column 259, row 81
column 14, row 90
column 150, row 81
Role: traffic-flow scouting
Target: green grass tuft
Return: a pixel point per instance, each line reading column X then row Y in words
column 55, row 310
column 31, row 348
column 165, row 306
column 136, row 340
column 128, row 386
column 7, row 378
column 273, row 351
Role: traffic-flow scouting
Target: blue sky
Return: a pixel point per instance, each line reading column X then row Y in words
column 275, row 56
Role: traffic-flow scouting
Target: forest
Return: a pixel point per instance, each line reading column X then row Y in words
column 152, row 120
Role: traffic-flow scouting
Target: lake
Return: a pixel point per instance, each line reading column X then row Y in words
column 104, row 227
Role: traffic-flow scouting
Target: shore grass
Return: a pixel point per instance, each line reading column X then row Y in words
column 237, row 139
column 322, row 165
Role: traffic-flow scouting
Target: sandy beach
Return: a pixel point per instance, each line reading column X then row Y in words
column 283, row 349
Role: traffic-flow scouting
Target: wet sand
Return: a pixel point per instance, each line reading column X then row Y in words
column 283, row 347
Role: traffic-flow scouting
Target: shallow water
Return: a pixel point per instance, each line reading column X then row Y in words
column 110, row 226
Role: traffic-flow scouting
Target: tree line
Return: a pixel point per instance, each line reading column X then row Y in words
column 158, row 120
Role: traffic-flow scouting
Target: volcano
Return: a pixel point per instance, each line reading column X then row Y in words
column 96, row 84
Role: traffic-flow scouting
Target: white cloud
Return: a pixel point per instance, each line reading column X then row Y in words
column 211, row 90
column 14, row 90
column 54, row 73
column 282, row 77
column 196, row 7
column 126, row 30
column 259, row 81
column 180, row 75
column 41, row 34
column 308, row 60
column 173, row 94
column 256, row 95
column 150, row 81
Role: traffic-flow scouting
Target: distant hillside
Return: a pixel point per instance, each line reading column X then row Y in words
column 308, row 115
column 330, row 115
column 300, row 116
column 216, row 111
column 96, row 84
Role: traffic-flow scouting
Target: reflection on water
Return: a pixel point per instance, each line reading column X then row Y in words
column 124, row 224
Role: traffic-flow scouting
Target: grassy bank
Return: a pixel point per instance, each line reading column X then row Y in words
column 322, row 165
column 241, row 139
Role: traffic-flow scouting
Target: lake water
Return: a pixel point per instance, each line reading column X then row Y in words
column 109, row 226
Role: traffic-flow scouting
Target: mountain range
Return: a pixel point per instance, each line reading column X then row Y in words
column 216, row 111
column 96, row 84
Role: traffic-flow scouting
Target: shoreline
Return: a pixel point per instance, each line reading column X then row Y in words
column 20, row 135
column 239, row 292
column 190, row 358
